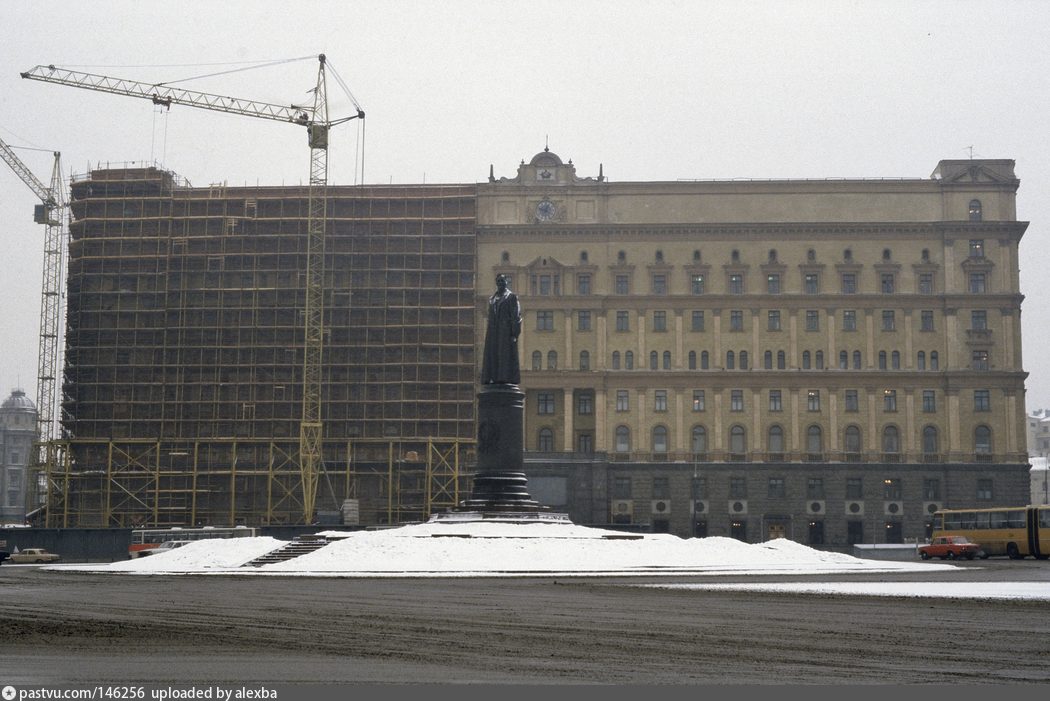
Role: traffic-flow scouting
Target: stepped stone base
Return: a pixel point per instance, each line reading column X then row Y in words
column 509, row 515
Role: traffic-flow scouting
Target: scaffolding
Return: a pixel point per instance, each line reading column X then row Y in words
column 183, row 380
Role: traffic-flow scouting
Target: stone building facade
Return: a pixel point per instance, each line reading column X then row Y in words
column 827, row 360
column 18, row 430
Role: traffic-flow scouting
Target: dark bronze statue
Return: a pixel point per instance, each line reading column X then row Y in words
column 500, row 363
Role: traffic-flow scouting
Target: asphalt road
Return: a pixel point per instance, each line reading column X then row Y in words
column 70, row 628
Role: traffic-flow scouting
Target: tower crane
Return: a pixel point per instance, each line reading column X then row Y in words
column 316, row 120
column 51, row 213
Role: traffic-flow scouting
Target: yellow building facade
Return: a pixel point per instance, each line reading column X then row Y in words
column 765, row 358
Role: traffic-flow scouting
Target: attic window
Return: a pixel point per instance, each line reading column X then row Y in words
column 621, row 257
column 696, row 256
column 659, row 256
column 583, row 256
column 505, row 257
column 886, row 254
column 975, row 210
column 772, row 255
column 735, row 256
column 811, row 255
column 847, row 255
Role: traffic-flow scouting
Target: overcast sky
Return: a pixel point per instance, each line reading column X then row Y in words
column 659, row 92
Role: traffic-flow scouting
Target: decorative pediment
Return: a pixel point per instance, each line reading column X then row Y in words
column 546, row 168
column 979, row 171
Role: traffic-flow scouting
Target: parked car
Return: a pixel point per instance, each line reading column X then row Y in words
column 950, row 547
column 33, row 555
column 164, row 547
column 4, row 555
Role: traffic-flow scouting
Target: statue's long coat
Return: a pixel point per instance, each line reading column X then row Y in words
column 500, row 363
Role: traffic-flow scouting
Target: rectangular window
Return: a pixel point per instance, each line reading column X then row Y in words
column 623, row 322
column 659, row 321
column 854, row 487
column 977, row 248
column 977, row 283
column 738, row 487
column 774, row 319
column 929, row 400
column 815, row 488
column 585, row 404
column 545, row 320
column 583, row 320
column 623, row 401
column 926, row 320
column 696, row 284
column 545, row 402
column 736, row 400
column 931, row 489
column 888, row 283
column 892, row 488
column 985, row 491
column 697, row 321
column 775, row 400
column 980, row 360
column 982, row 400
column 585, row 444
column 849, row 319
column 659, row 284
column 736, row 284
column 812, row 320
column 583, row 284
column 773, row 283
column 889, row 320
column 889, row 400
column 812, row 283
column 849, row 283
column 851, row 400
column 926, row 283
column 661, row 488
column 979, row 320
column 699, row 490
column 622, row 284
column 776, row 488
column 813, row 400
column 545, row 285
column 660, row 400
column 736, row 320
column 621, row 488
column 698, row 400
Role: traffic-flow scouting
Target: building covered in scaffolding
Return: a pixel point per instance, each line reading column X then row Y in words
column 182, row 392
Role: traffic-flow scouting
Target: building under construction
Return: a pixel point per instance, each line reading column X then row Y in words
column 182, row 395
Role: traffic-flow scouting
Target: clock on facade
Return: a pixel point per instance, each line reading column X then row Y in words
column 546, row 210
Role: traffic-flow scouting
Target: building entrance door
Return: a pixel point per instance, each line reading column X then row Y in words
column 777, row 530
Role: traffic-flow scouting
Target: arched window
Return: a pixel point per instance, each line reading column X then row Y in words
column 737, row 440
column 920, row 362
column 585, row 360
column 772, row 255
column 982, row 440
column 730, row 360
column 667, row 360
column 856, row 360
column 891, row 440
column 776, row 439
column 616, row 360
column 545, row 443
column 767, row 360
column 583, row 256
column 852, row 443
column 699, row 439
column 537, row 360
column 820, row 360
column 504, row 257
column 654, row 360
column 887, row 254
column 934, row 360
column 814, row 440
column 621, row 257
column 628, row 360
column 659, row 439
column 847, row 255
column 552, row 360
column 735, row 256
column 975, row 210
column 781, row 360
column 843, row 360
column 696, row 256
column 692, row 360
column 805, row 360
column 705, row 360
column 895, row 360
column 623, row 439
column 929, row 440
column 743, row 360
column 659, row 256
column 882, row 360
column 925, row 255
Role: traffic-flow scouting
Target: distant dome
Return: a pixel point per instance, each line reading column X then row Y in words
column 546, row 159
column 18, row 401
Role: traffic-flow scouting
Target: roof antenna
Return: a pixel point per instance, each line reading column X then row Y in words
column 546, row 142
column 970, row 149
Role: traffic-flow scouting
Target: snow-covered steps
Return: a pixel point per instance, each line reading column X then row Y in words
column 298, row 546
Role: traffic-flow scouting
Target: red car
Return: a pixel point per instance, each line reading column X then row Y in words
column 950, row 547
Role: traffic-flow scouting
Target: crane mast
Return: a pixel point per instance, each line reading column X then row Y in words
column 316, row 120
column 50, row 213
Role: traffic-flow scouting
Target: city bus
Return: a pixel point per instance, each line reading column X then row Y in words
column 1016, row 531
column 145, row 540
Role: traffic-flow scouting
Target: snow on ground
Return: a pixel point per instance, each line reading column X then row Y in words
column 938, row 590
column 500, row 549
